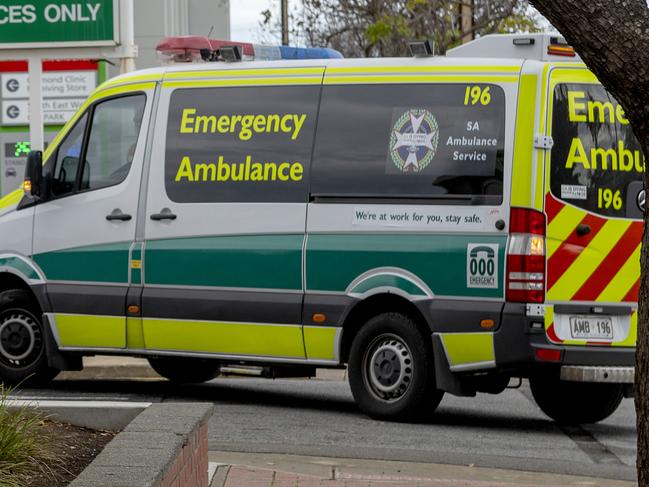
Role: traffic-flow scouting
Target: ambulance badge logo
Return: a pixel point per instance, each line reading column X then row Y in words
column 413, row 140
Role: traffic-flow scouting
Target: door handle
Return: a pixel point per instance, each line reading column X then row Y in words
column 165, row 214
column 117, row 215
column 583, row 229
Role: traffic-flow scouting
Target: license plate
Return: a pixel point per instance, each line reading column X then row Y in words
column 591, row 327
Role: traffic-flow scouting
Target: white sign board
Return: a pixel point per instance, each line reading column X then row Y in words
column 63, row 93
column 56, row 84
column 56, row 111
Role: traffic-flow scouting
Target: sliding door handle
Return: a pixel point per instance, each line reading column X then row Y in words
column 165, row 214
column 117, row 215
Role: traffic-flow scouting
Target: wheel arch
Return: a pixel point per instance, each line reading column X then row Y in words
column 374, row 305
column 12, row 279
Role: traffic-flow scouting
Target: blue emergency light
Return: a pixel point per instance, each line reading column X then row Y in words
column 199, row 48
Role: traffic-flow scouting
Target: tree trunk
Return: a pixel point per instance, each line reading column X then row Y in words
column 612, row 37
column 466, row 14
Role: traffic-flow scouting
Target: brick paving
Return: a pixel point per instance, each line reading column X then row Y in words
column 242, row 476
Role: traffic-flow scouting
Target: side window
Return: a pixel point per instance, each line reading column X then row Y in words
column 435, row 141
column 111, row 144
column 596, row 162
column 248, row 144
column 63, row 170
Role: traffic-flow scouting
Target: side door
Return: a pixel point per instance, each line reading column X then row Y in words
column 594, row 206
column 226, row 211
column 407, row 187
column 84, row 228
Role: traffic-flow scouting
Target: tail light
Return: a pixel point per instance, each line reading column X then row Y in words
column 525, row 282
column 559, row 50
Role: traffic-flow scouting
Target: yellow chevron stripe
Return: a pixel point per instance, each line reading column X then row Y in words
column 589, row 259
column 624, row 280
column 562, row 226
column 549, row 315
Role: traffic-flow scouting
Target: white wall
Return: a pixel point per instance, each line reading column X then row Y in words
column 156, row 19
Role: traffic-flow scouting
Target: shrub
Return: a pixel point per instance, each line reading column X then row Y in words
column 24, row 449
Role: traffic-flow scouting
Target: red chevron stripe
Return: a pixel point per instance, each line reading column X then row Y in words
column 552, row 334
column 632, row 295
column 571, row 247
column 552, row 207
column 598, row 280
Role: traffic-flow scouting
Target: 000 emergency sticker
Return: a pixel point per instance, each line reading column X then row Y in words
column 482, row 266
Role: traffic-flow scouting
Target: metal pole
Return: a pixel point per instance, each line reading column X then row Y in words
column 127, row 34
column 36, row 136
column 284, row 22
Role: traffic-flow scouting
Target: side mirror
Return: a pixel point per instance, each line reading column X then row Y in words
column 34, row 173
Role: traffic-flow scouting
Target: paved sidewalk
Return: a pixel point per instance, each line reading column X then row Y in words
column 274, row 470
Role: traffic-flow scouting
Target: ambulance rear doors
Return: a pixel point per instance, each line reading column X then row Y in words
column 594, row 204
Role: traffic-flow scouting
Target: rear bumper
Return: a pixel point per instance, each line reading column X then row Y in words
column 581, row 373
column 520, row 335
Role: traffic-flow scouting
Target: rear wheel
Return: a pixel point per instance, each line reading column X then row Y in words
column 22, row 341
column 391, row 369
column 185, row 370
column 575, row 402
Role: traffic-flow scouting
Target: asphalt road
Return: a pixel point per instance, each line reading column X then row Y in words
column 316, row 417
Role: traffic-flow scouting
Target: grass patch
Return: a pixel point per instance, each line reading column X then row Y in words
column 24, row 448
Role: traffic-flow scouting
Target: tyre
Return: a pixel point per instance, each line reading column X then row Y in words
column 184, row 370
column 391, row 369
column 575, row 402
column 22, row 341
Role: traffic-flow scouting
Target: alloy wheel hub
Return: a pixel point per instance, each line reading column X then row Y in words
column 389, row 367
column 18, row 336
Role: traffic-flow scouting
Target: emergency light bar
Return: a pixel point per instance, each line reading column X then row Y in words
column 185, row 49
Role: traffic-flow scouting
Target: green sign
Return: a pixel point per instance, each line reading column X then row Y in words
column 57, row 23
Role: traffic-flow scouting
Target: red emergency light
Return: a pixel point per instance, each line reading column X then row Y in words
column 199, row 48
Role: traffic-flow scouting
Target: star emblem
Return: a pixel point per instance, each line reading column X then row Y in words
column 413, row 140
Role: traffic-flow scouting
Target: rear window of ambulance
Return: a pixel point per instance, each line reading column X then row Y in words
column 596, row 161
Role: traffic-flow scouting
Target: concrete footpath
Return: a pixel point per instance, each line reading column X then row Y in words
column 273, row 470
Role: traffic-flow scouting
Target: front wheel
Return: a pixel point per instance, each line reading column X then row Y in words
column 185, row 370
column 391, row 369
column 22, row 341
column 575, row 402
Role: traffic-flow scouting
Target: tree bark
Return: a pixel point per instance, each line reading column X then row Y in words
column 612, row 37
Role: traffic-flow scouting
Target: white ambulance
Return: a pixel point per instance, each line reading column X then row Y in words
column 435, row 224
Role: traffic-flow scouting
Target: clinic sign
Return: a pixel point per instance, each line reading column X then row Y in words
column 58, row 23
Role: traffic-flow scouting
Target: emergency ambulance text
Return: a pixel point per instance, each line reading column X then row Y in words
column 245, row 125
column 583, row 109
column 222, row 171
